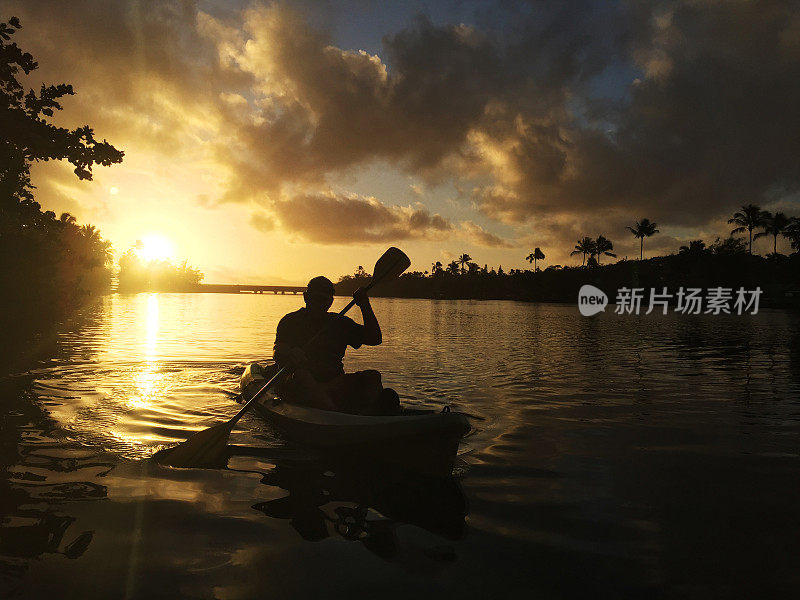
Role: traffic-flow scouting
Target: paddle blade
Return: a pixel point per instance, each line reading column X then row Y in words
column 391, row 265
column 207, row 449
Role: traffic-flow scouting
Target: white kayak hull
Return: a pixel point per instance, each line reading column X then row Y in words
column 426, row 441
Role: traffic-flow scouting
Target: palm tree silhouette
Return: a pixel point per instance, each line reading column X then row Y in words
column 436, row 268
column 537, row 254
column 603, row 246
column 748, row 218
column 67, row 219
column 96, row 245
column 452, row 267
column 584, row 246
column 773, row 225
column 463, row 260
column 644, row 228
column 792, row 232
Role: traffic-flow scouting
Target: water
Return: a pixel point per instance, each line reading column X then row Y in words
column 619, row 456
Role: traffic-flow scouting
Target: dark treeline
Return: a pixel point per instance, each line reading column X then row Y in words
column 48, row 265
column 726, row 264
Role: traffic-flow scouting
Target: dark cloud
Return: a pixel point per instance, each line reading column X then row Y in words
column 323, row 109
column 710, row 123
column 537, row 100
column 336, row 219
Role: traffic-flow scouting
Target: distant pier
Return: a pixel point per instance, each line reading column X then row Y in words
column 213, row 288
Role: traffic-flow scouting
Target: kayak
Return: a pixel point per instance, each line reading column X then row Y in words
column 420, row 440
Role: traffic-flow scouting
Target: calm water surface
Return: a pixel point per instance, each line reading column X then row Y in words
column 619, row 456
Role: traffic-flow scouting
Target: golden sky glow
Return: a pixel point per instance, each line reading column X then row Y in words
column 269, row 144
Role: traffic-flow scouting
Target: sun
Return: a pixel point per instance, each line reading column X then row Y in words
column 155, row 247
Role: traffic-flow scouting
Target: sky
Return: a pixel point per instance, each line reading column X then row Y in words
column 272, row 142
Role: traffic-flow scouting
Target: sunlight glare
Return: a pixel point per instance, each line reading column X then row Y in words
column 156, row 247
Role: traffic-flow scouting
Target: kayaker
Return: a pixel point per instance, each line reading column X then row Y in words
column 316, row 373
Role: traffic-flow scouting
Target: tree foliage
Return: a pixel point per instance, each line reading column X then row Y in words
column 28, row 136
column 725, row 263
column 642, row 229
column 138, row 275
column 45, row 262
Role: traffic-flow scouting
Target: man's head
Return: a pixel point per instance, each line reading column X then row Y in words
column 319, row 294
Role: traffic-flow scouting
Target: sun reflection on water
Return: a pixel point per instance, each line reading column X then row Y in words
column 151, row 336
column 147, row 379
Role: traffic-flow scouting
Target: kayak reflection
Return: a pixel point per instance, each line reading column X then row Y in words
column 367, row 505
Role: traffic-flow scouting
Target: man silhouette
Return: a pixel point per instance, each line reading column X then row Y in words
column 311, row 343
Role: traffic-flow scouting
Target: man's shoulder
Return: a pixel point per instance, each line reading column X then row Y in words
column 293, row 316
column 301, row 315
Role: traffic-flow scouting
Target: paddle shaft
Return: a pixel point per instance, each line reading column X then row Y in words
column 264, row 388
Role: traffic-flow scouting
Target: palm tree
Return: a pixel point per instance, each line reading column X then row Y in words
column 91, row 234
column 773, row 225
column 452, row 267
column 108, row 253
column 748, row 218
column 643, row 229
column 603, row 246
column 792, row 232
column 68, row 222
column 95, row 245
column 436, row 268
column 584, row 246
column 537, row 254
column 463, row 260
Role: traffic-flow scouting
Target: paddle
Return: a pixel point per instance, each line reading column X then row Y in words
column 207, row 448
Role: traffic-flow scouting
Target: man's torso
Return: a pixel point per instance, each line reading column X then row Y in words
column 326, row 350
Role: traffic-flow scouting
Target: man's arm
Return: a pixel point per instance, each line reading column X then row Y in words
column 372, row 330
column 286, row 353
column 288, row 356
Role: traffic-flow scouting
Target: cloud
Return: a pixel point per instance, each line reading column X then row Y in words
column 262, row 222
column 321, row 109
column 562, row 116
column 417, row 189
column 144, row 76
column 478, row 235
column 710, row 123
column 329, row 218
